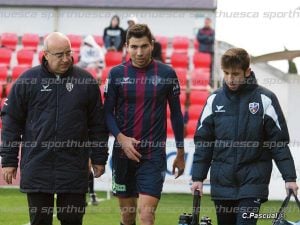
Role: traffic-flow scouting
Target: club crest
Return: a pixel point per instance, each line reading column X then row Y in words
column 69, row 86
column 155, row 80
column 253, row 107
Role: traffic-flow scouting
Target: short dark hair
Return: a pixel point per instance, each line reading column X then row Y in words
column 236, row 58
column 139, row 31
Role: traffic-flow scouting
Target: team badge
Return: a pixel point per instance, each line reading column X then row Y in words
column 155, row 80
column 69, row 86
column 253, row 107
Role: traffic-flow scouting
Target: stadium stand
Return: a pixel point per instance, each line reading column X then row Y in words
column 113, row 58
column 198, row 97
column 5, row 56
column 25, row 57
column 179, row 60
column 182, row 76
column 9, row 40
column 201, row 60
column 76, row 41
column 18, row 70
column 191, row 128
column 99, row 40
column 3, row 75
column 200, row 78
column 180, row 44
column 30, row 41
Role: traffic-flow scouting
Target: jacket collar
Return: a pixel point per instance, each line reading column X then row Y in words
column 46, row 70
column 249, row 85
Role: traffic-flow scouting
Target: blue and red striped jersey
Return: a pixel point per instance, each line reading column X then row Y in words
column 136, row 104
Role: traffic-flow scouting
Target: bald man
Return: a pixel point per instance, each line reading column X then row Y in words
column 55, row 110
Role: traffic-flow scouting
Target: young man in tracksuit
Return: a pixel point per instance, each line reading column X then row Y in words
column 137, row 95
column 240, row 130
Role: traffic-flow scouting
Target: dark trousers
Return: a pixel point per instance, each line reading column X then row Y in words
column 70, row 208
column 237, row 212
column 91, row 183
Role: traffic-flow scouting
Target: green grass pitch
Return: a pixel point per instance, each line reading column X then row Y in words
column 13, row 209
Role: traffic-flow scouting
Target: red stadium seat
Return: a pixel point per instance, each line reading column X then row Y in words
column 181, row 44
column 198, row 97
column 113, row 58
column 104, row 74
column 18, row 70
column 30, row 41
column 5, row 56
column 9, row 40
column 25, row 57
column 201, row 60
column 163, row 42
column 191, row 128
column 99, row 40
column 179, row 60
column 182, row 76
column 3, row 74
column 195, row 111
column 76, row 41
column 200, row 78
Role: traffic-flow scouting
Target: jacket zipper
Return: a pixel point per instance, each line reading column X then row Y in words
column 236, row 139
column 56, row 117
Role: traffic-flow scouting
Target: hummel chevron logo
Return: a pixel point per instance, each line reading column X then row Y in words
column 220, row 108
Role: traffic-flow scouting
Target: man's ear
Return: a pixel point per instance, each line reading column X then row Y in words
column 248, row 72
column 46, row 55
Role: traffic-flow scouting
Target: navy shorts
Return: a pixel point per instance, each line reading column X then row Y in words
column 130, row 178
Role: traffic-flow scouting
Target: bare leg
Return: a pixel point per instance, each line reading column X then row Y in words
column 128, row 210
column 146, row 207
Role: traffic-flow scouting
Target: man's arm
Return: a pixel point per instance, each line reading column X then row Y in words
column 177, row 124
column 13, row 115
column 203, row 151
column 277, row 136
column 97, row 129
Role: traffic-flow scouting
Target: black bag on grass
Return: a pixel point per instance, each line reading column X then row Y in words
column 193, row 219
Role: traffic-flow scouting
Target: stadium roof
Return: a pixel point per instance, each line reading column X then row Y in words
column 153, row 4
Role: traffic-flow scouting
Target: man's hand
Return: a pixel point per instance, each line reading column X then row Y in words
column 179, row 163
column 293, row 186
column 128, row 145
column 9, row 173
column 98, row 170
column 197, row 185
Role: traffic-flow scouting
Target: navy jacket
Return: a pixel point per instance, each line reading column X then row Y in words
column 238, row 135
column 60, row 123
column 206, row 39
